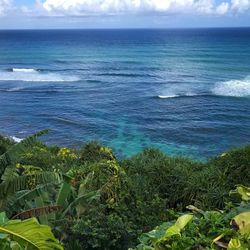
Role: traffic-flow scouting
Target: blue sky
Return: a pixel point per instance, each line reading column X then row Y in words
column 42, row 14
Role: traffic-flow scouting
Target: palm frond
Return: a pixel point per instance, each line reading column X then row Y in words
column 22, row 182
column 10, row 156
column 22, row 199
column 36, row 212
column 87, row 197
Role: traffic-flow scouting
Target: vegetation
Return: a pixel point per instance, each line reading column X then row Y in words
column 58, row 198
column 227, row 229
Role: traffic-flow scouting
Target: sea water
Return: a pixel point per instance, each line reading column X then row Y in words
column 184, row 91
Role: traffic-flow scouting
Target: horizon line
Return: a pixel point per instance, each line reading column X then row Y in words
column 130, row 28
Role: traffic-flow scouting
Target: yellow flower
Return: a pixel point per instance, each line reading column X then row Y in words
column 66, row 153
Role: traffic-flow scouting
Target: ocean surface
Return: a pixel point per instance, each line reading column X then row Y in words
column 184, row 91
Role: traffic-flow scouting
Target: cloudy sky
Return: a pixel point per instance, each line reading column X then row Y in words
column 40, row 14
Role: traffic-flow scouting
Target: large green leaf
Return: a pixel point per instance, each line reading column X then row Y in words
column 88, row 197
column 243, row 222
column 63, row 194
column 3, row 218
column 154, row 238
column 31, row 235
column 243, row 191
column 235, row 244
column 178, row 226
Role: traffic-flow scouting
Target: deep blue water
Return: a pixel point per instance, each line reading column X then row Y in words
column 183, row 91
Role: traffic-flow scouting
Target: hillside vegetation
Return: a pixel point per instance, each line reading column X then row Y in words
column 58, row 198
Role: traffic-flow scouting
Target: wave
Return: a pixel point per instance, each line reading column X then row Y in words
column 236, row 88
column 24, row 70
column 233, row 88
column 93, row 81
column 178, row 96
column 15, row 89
column 30, row 90
column 16, row 139
column 124, row 75
column 32, row 75
column 167, row 96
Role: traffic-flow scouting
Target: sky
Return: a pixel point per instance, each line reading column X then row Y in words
column 66, row 14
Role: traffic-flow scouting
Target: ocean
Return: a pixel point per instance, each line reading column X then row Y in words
column 184, row 91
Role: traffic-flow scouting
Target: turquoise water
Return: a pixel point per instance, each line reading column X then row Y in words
column 184, row 91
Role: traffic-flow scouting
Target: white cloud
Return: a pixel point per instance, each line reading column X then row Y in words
column 4, row 5
column 240, row 5
column 87, row 7
column 223, row 8
column 110, row 6
column 205, row 6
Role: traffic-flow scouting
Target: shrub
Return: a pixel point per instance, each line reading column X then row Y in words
column 235, row 165
column 5, row 143
column 93, row 151
column 100, row 231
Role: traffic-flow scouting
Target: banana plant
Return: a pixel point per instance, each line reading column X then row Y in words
column 154, row 239
column 11, row 155
column 26, row 235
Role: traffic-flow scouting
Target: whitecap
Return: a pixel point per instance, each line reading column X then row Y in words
column 14, row 89
column 237, row 88
column 16, row 139
column 26, row 70
column 36, row 76
column 179, row 95
column 167, row 96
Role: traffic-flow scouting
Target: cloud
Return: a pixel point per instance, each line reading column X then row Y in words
column 110, row 6
column 98, row 7
column 222, row 9
column 240, row 5
column 4, row 6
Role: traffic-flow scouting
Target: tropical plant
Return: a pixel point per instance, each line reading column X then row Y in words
column 26, row 235
column 91, row 200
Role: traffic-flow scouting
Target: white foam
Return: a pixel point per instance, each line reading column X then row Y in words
column 167, row 96
column 23, row 70
column 16, row 139
column 35, row 76
column 176, row 96
column 238, row 88
column 14, row 89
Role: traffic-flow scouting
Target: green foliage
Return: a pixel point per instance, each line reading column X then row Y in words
column 243, row 191
column 94, row 201
column 98, row 231
column 27, row 234
column 160, row 236
column 243, row 223
column 25, row 182
column 201, row 233
column 207, row 230
column 93, row 152
column 152, row 172
column 5, row 143
column 13, row 152
column 235, row 165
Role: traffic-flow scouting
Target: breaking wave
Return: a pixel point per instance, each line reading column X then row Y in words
column 24, row 70
column 32, row 75
column 178, row 96
column 237, row 88
column 233, row 88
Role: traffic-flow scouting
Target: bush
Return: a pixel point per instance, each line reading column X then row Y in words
column 235, row 166
column 100, row 231
column 107, row 203
column 152, row 172
column 93, row 151
column 5, row 143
